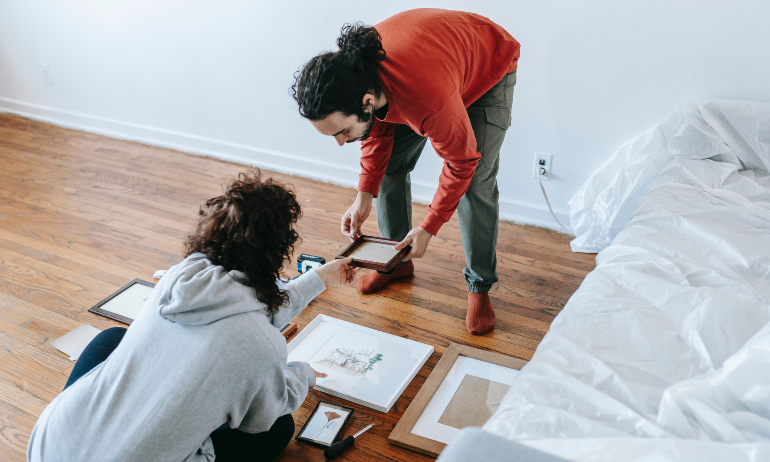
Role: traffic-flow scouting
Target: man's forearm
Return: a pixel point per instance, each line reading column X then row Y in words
column 364, row 196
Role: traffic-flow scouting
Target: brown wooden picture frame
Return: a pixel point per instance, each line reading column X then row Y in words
column 402, row 434
column 384, row 268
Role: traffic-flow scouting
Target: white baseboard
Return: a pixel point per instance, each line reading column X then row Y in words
column 306, row 167
column 510, row 210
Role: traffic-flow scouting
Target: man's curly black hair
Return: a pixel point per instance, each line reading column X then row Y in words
column 249, row 228
column 338, row 81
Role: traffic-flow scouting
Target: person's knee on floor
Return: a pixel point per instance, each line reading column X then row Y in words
column 232, row 445
column 96, row 352
column 283, row 430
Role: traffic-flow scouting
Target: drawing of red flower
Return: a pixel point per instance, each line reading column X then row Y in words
column 330, row 415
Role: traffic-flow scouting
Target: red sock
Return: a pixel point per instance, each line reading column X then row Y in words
column 374, row 280
column 480, row 318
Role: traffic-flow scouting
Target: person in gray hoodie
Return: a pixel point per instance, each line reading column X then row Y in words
column 202, row 373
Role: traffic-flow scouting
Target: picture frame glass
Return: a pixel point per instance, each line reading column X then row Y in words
column 468, row 396
column 325, row 423
column 363, row 365
column 126, row 303
column 375, row 252
column 129, row 302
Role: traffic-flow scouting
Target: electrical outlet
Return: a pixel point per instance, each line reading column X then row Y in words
column 47, row 79
column 542, row 166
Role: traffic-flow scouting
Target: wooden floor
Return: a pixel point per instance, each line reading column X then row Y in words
column 81, row 214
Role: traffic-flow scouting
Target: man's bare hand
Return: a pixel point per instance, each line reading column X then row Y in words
column 356, row 215
column 418, row 238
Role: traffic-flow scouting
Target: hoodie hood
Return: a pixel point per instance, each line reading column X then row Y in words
column 197, row 292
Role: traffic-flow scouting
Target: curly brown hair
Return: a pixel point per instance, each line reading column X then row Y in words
column 249, row 228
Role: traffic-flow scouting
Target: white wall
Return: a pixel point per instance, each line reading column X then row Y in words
column 213, row 77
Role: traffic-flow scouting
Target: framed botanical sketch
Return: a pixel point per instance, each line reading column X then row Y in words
column 364, row 365
column 464, row 390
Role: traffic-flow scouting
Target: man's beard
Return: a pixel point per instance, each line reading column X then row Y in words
column 369, row 126
column 369, row 119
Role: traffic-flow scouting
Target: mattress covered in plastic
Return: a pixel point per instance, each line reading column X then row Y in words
column 663, row 353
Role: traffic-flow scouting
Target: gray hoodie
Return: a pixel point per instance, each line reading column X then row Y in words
column 201, row 353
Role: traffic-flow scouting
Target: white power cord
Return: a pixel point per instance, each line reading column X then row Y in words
column 540, row 180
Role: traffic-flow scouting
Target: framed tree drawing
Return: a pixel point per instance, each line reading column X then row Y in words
column 324, row 424
column 364, row 365
column 464, row 390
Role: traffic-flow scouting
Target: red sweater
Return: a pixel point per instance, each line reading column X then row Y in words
column 437, row 63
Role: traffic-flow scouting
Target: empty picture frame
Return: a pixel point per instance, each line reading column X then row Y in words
column 364, row 365
column 324, row 424
column 125, row 303
column 464, row 390
column 375, row 253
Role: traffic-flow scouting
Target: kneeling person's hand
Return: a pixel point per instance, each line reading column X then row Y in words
column 337, row 272
column 317, row 375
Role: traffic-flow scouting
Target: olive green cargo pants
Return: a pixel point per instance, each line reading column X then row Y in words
column 478, row 209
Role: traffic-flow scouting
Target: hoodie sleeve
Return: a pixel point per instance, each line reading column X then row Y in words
column 302, row 291
column 299, row 379
column 283, row 389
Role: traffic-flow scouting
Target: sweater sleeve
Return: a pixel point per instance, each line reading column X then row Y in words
column 283, row 388
column 299, row 379
column 375, row 154
column 451, row 135
column 302, row 291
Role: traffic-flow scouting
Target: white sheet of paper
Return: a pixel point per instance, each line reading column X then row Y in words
column 353, row 356
column 129, row 302
column 76, row 341
column 321, row 428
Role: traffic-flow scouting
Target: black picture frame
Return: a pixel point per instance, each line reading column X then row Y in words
column 299, row 436
column 109, row 314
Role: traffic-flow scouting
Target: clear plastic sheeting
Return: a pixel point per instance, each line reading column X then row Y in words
column 737, row 132
column 663, row 353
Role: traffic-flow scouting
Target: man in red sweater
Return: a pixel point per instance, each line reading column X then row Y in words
column 442, row 75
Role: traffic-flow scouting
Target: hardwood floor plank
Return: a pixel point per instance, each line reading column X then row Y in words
column 82, row 214
column 23, row 400
column 15, row 427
